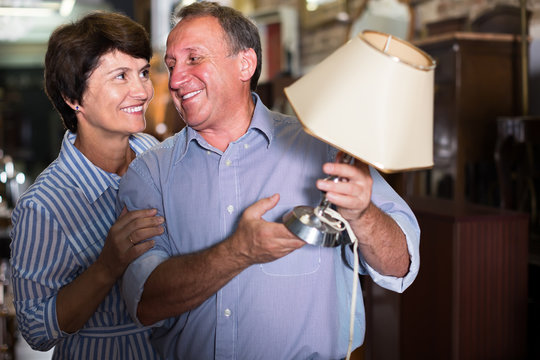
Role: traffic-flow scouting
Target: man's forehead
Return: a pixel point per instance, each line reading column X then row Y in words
column 189, row 39
column 172, row 52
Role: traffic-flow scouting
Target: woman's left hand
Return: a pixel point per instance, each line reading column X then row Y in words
column 127, row 237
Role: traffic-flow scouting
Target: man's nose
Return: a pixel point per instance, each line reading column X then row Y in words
column 177, row 77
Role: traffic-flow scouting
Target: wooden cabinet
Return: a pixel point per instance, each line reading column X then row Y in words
column 469, row 300
column 477, row 79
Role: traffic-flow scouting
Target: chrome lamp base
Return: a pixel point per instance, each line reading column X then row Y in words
column 304, row 223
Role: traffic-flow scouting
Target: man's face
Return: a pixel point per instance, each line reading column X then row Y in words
column 204, row 78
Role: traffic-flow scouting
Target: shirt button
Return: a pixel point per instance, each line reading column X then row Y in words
column 227, row 312
column 230, row 209
column 228, row 162
column 208, row 152
column 246, row 146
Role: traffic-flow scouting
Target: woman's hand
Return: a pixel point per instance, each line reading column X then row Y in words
column 127, row 237
column 78, row 300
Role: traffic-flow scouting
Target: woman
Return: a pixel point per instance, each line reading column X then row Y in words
column 66, row 254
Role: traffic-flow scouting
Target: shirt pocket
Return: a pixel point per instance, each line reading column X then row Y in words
column 303, row 261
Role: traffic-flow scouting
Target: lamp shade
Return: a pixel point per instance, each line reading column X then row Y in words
column 372, row 98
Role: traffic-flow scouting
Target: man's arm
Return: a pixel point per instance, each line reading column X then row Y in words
column 381, row 241
column 204, row 273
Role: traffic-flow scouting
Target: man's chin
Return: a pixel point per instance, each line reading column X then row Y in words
column 194, row 124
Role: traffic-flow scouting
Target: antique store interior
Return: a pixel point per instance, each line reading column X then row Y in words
column 477, row 295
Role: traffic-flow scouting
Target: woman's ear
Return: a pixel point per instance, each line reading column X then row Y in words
column 72, row 104
column 248, row 63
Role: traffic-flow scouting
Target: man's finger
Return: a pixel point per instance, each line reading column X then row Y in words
column 258, row 209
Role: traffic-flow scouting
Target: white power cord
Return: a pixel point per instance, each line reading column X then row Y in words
column 337, row 222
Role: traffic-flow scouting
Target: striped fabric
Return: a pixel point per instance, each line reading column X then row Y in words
column 59, row 228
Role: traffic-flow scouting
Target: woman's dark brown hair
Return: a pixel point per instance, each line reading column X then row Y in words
column 74, row 51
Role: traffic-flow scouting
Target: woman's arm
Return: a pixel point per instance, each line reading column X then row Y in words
column 50, row 299
column 78, row 300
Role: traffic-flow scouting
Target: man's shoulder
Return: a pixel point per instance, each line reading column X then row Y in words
column 284, row 119
column 159, row 157
column 160, row 151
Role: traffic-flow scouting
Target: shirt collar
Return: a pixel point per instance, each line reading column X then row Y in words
column 261, row 121
column 92, row 180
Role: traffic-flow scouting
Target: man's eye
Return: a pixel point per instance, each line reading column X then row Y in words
column 194, row 59
column 145, row 73
column 121, row 76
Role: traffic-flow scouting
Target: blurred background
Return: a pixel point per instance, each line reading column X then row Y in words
column 477, row 295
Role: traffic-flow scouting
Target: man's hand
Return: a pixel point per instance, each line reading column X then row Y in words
column 381, row 240
column 259, row 241
column 205, row 272
column 352, row 195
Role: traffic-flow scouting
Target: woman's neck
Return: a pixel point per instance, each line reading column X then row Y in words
column 111, row 155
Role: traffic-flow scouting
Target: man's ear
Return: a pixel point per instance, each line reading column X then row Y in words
column 248, row 63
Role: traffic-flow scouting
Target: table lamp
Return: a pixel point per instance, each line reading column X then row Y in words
column 372, row 99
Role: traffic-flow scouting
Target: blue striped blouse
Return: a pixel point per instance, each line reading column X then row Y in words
column 59, row 227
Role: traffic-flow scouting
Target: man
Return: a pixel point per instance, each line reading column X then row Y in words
column 227, row 279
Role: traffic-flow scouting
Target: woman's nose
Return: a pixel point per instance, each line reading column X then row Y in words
column 141, row 89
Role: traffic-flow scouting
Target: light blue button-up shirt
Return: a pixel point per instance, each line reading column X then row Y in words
column 296, row 307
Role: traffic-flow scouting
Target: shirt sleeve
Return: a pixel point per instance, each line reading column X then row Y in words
column 386, row 199
column 41, row 263
column 138, row 191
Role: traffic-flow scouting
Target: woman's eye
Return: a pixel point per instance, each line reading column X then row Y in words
column 121, row 76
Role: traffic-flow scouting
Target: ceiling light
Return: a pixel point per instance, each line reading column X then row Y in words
column 39, row 9
column 66, row 7
column 24, row 11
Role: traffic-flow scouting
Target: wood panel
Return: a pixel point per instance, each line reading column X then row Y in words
column 469, row 300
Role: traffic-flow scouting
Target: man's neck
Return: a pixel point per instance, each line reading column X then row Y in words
column 221, row 137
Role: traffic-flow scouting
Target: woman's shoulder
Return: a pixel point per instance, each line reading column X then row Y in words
column 140, row 142
column 50, row 188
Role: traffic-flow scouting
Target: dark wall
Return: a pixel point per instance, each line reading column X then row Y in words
column 31, row 129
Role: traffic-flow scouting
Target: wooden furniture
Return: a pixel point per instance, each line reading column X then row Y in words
column 469, row 300
column 517, row 156
column 477, row 79
column 272, row 95
column 518, row 163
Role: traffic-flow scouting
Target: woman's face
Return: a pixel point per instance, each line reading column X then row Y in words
column 117, row 95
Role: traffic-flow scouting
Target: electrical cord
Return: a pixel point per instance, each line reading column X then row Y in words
column 336, row 221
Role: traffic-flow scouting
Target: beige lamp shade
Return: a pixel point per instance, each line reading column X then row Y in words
column 372, row 98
